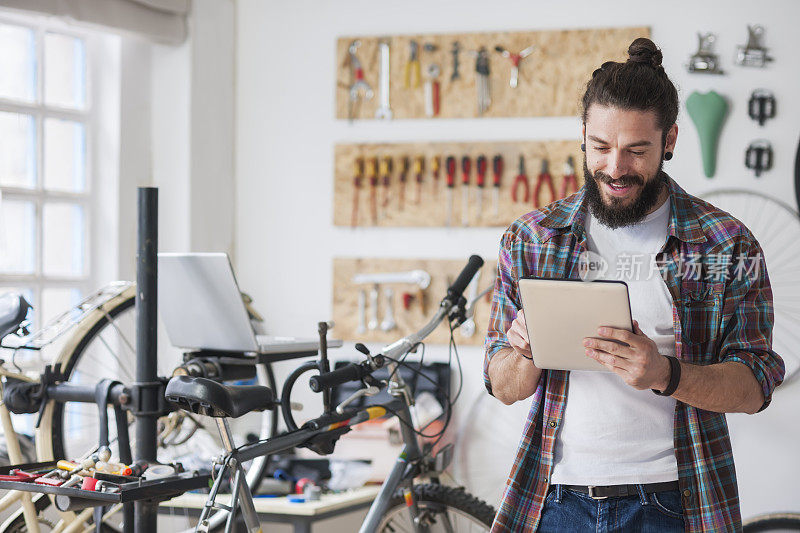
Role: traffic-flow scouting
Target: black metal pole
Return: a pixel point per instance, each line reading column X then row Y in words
column 146, row 350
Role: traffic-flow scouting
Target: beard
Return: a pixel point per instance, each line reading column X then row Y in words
column 616, row 215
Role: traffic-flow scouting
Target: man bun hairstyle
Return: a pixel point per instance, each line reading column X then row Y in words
column 639, row 83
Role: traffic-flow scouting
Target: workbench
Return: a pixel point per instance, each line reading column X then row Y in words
column 300, row 515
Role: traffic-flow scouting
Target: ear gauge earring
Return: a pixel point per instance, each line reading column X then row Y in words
column 667, row 156
column 583, row 148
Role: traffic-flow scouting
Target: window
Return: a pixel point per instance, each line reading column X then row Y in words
column 46, row 191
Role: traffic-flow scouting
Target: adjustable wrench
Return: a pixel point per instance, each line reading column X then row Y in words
column 384, row 111
column 362, row 312
column 373, row 311
column 388, row 323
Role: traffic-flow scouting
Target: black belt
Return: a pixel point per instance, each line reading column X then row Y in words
column 618, row 491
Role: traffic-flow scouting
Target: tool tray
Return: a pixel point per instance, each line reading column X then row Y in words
column 74, row 498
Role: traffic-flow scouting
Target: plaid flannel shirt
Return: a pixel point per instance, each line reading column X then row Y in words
column 715, row 320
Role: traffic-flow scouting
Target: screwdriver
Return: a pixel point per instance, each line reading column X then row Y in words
column 358, row 177
column 497, row 170
column 466, row 168
column 481, row 164
column 419, row 168
column 450, row 168
column 404, row 164
column 386, row 174
column 372, row 173
column 436, row 165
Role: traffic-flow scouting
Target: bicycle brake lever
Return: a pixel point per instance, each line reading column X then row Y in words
column 372, row 390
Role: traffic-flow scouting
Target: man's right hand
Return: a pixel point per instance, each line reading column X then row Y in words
column 518, row 336
column 512, row 373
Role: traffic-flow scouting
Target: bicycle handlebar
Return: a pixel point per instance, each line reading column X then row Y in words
column 358, row 371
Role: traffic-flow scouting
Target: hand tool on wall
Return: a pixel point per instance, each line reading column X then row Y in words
column 436, row 165
column 758, row 156
column 432, row 91
column 705, row 60
column 418, row 277
column 384, row 110
column 362, row 312
column 405, row 163
column 707, row 111
column 753, row 54
column 497, row 172
column 412, row 70
column 373, row 308
column 358, row 85
column 515, row 60
column 466, row 170
column 372, row 175
column 387, row 165
column 480, row 163
column 761, row 106
column 450, row 170
column 358, row 178
column 521, row 181
column 388, row 323
column 467, row 328
column 419, row 170
column 569, row 184
column 544, row 179
column 482, row 80
column 456, row 48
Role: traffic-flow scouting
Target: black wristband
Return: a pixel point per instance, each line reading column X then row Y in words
column 674, row 377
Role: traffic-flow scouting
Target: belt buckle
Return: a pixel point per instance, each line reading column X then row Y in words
column 592, row 496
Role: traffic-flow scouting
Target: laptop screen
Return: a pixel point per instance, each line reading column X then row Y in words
column 200, row 303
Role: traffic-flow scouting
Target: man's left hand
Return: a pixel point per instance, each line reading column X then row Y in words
column 638, row 364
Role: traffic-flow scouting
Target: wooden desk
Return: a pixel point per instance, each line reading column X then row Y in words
column 301, row 515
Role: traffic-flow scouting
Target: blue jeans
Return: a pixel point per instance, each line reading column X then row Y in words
column 567, row 511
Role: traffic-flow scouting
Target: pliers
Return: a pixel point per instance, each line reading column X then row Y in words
column 412, row 70
column 543, row 178
column 521, row 181
column 569, row 184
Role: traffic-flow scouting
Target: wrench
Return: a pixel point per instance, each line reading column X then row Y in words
column 384, row 111
column 362, row 312
column 373, row 311
column 388, row 323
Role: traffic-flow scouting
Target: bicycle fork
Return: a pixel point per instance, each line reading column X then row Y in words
column 238, row 486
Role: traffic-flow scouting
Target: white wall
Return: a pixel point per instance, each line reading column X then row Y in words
column 285, row 132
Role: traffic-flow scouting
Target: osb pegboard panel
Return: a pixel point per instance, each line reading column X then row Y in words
column 431, row 211
column 442, row 272
column 551, row 79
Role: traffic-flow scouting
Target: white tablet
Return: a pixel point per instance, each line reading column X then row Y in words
column 561, row 313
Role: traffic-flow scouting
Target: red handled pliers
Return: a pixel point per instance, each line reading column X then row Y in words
column 544, row 178
column 570, row 183
column 521, row 181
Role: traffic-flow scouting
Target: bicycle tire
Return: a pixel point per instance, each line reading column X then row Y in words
column 774, row 522
column 434, row 500
column 50, row 437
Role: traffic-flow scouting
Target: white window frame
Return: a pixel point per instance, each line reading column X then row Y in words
column 39, row 196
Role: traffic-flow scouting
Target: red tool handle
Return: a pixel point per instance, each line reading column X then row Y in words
column 481, row 170
column 450, row 165
column 497, row 168
column 435, row 98
column 466, row 167
column 404, row 164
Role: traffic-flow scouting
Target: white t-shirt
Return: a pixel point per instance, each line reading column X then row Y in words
column 611, row 433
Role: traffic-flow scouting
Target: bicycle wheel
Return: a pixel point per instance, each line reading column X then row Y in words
column 773, row 523
column 442, row 508
column 777, row 228
column 103, row 347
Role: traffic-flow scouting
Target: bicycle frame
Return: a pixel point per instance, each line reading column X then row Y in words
column 403, row 472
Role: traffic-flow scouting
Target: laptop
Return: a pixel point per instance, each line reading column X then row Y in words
column 202, row 308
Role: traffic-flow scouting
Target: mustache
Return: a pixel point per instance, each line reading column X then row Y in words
column 623, row 181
